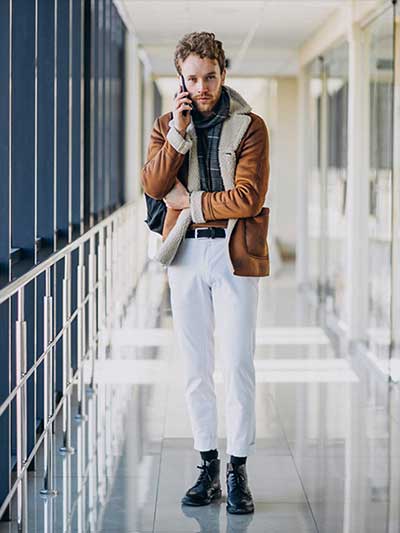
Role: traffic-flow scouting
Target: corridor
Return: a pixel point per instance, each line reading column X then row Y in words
column 132, row 132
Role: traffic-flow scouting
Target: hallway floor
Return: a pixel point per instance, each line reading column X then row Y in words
column 328, row 433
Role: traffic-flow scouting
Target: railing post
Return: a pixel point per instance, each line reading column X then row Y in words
column 117, row 271
column 101, row 295
column 81, row 413
column 108, row 278
column 48, row 489
column 66, row 447
column 92, row 474
column 21, row 429
column 92, row 309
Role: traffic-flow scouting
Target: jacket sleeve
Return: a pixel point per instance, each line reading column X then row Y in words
column 164, row 158
column 251, row 181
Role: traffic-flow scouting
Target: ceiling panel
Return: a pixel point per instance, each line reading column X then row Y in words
column 260, row 38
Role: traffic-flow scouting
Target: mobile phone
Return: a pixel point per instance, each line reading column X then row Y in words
column 184, row 113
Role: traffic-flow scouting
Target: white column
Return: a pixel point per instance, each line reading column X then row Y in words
column 395, row 370
column 323, row 176
column 302, row 273
column 357, row 187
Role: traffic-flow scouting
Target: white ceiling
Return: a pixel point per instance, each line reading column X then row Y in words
column 261, row 38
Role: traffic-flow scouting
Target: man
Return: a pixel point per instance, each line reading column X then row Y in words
column 210, row 165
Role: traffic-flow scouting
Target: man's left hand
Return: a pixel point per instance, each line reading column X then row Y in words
column 178, row 197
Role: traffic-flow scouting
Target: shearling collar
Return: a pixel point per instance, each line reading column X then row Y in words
column 238, row 103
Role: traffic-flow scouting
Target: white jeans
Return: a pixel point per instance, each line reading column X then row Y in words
column 204, row 294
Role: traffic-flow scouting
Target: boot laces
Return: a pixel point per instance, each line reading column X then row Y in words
column 205, row 474
column 238, row 480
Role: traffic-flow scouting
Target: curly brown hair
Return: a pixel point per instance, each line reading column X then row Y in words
column 203, row 44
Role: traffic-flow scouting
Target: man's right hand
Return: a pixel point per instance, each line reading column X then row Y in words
column 181, row 103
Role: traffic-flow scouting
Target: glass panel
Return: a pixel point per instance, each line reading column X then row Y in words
column 337, row 67
column 314, row 185
column 327, row 180
column 380, row 184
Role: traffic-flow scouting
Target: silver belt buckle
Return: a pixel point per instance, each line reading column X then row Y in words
column 195, row 233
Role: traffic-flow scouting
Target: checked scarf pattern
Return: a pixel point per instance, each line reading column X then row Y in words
column 208, row 131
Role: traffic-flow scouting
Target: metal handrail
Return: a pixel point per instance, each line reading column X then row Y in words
column 39, row 442
column 13, row 287
column 38, row 361
column 109, row 262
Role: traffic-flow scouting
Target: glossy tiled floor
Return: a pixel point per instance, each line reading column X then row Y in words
column 328, row 453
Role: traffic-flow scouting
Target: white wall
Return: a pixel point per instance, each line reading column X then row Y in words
column 285, row 160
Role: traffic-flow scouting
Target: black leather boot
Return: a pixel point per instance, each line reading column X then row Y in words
column 239, row 499
column 207, row 487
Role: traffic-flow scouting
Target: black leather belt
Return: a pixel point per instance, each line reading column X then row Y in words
column 205, row 232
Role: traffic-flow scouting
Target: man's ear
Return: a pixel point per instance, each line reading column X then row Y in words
column 223, row 75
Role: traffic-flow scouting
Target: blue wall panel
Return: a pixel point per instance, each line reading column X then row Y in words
column 40, row 292
column 30, row 358
column 95, row 111
column 59, row 275
column 4, row 142
column 87, row 156
column 76, row 153
column 101, row 98
column 5, row 450
column 121, row 113
column 13, row 318
column 45, row 126
column 62, row 130
column 23, row 132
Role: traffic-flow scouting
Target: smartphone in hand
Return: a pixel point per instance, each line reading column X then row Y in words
column 184, row 113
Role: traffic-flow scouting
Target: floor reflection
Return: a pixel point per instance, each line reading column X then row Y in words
column 328, row 434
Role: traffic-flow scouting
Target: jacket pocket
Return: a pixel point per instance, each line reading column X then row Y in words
column 255, row 232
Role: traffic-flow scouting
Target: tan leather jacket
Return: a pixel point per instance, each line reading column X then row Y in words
column 244, row 162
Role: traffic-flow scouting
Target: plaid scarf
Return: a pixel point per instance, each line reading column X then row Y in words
column 208, row 131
